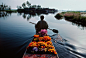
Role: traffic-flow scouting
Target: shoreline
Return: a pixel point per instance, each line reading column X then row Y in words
column 73, row 16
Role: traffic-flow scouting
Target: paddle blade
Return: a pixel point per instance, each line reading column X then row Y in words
column 32, row 22
column 55, row 31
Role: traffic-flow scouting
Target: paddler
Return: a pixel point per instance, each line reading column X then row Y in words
column 42, row 24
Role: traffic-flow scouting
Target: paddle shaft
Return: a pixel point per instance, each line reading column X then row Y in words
column 35, row 24
column 55, row 31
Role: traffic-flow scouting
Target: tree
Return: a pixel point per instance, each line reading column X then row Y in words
column 19, row 7
column 38, row 6
column 9, row 7
column 23, row 5
column 33, row 6
column 4, row 7
column 28, row 4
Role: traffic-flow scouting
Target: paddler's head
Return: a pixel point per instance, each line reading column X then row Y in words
column 42, row 17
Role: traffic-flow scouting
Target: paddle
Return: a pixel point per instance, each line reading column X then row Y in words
column 54, row 30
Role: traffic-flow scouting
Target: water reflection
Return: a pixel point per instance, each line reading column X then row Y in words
column 82, row 26
column 28, row 15
column 3, row 14
column 25, row 15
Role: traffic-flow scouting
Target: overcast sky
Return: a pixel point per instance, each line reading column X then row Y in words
column 58, row 4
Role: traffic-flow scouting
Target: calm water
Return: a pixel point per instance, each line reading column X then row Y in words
column 16, row 33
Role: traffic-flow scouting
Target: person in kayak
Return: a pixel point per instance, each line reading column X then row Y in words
column 42, row 24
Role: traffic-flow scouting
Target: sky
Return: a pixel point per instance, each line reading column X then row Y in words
column 57, row 4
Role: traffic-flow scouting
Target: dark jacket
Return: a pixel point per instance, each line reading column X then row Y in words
column 41, row 25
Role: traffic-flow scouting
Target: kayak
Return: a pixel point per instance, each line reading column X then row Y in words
column 41, row 47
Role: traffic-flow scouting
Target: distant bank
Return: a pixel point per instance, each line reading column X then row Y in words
column 78, row 17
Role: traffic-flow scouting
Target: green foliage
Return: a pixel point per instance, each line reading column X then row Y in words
column 63, row 12
column 28, row 3
column 38, row 6
column 19, row 7
column 33, row 6
column 11, row 10
column 59, row 15
column 4, row 7
column 23, row 5
column 83, row 17
column 74, row 11
column 75, row 16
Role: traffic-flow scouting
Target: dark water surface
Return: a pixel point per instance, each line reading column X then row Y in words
column 16, row 33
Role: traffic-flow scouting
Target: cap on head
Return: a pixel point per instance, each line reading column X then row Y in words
column 42, row 17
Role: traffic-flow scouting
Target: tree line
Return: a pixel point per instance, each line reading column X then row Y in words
column 28, row 5
column 5, row 7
